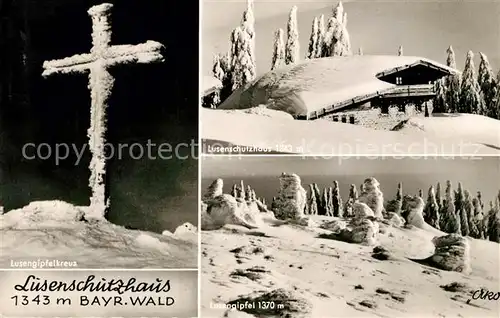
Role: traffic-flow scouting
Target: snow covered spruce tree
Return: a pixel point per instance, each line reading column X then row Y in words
column 313, row 39
column 321, row 37
column 248, row 24
column 431, row 210
column 438, row 195
column 479, row 218
column 330, row 201
column 452, row 83
column 493, row 223
column 227, row 80
column 234, row 191
column 323, row 203
column 399, row 199
column 460, row 210
column 292, row 48
column 496, row 101
column 471, row 101
column 338, row 209
column 337, row 41
column 400, row 50
column 353, row 197
column 395, row 205
column 439, row 102
column 449, row 221
column 242, row 62
column 487, row 83
column 313, row 201
column 479, row 197
column 213, row 100
column 469, row 209
column 278, row 59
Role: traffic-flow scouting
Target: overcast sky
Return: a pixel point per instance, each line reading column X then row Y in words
column 424, row 28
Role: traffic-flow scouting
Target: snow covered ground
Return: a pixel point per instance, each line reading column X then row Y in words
column 55, row 230
column 339, row 279
column 276, row 133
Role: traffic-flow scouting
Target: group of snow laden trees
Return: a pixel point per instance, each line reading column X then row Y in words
column 237, row 67
column 470, row 92
column 458, row 211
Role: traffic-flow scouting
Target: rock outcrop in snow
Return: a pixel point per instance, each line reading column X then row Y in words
column 241, row 207
column 412, row 211
column 372, row 196
column 186, row 231
column 292, row 198
column 362, row 229
column 223, row 210
column 452, row 253
column 214, row 190
column 43, row 213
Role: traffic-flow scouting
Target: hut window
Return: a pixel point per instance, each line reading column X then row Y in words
column 399, row 80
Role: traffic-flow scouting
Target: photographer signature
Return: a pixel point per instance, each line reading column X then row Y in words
column 484, row 294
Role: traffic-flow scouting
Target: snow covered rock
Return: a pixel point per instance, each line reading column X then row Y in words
column 373, row 196
column 413, row 211
column 364, row 232
column 214, row 190
column 452, row 253
column 186, row 231
column 43, row 214
column 361, row 210
column 335, row 226
column 292, row 197
column 394, row 219
column 223, row 210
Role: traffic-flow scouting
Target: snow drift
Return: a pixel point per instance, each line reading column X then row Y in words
column 59, row 230
column 446, row 135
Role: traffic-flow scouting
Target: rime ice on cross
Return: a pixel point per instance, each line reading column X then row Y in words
column 101, row 57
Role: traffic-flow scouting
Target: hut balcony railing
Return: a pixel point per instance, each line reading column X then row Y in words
column 411, row 90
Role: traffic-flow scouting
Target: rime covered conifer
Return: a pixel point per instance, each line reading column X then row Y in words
column 439, row 102
column 353, row 197
column 313, row 201
column 313, row 39
column 337, row 41
column 487, row 84
column 471, row 101
column 461, row 211
column 242, row 61
column 278, row 59
column 338, row 208
column 431, row 210
column 449, row 222
column 292, row 48
column 469, row 210
column 321, row 36
column 452, row 84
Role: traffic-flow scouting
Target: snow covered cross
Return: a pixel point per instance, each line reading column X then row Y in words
column 101, row 57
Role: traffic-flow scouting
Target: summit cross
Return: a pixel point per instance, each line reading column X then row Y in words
column 102, row 56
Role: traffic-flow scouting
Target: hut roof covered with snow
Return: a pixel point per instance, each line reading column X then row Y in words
column 210, row 85
column 318, row 86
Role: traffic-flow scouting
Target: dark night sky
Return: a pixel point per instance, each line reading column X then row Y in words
column 157, row 102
